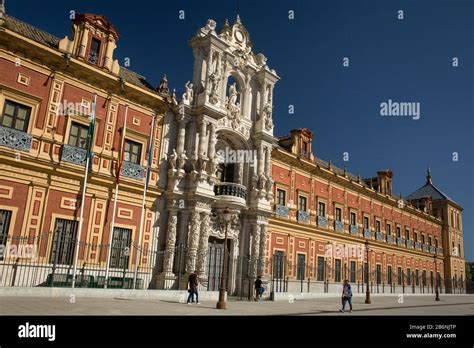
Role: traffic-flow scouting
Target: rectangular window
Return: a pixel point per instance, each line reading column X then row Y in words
column 353, row 219
column 399, row 276
column 431, row 279
column 457, row 221
column 389, row 274
column 422, row 239
column 407, row 234
column 353, row 272
column 281, row 197
column 436, row 243
column 459, row 250
column 5, row 218
column 120, row 248
column 399, row 232
column 366, row 222
column 278, row 264
column 452, row 218
column 321, row 209
column 423, row 278
column 338, row 214
column 133, row 152
column 78, row 135
column 15, row 116
column 388, row 229
column 415, row 237
column 430, row 241
column 64, row 241
column 379, row 274
column 337, row 273
column 416, row 278
column 321, row 271
column 377, row 226
column 408, row 276
column 302, row 203
column 94, row 51
column 300, row 267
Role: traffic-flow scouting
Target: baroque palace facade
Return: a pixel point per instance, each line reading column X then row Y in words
column 301, row 223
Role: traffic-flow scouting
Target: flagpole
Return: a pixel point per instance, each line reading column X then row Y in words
column 112, row 226
column 90, row 143
column 145, row 188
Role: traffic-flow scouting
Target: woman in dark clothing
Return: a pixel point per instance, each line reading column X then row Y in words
column 258, row 288
column 193, row 288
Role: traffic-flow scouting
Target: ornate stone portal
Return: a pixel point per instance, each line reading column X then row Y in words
column 226, row 108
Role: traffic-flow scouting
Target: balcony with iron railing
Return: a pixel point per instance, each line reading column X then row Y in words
column 367, row 233
column 74, row 155
column 338, row 226
column 303, row 216
column 353, row 229
column 399, row 241
column 15, row 139
column 323, row 221
column 389, row 239
column 417, row 246
column 432, row 249
column 424, row 247
column 379, row 235
column 408, row 243
column 132, row 170
column 281, row 210
column 231, row 193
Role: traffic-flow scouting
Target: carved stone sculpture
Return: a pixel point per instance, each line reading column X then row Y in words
column 182, row 160
column 188, row 94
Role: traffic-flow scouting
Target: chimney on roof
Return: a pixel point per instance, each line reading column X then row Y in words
column 2, row 12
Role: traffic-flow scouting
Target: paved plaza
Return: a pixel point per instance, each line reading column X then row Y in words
column 381, row 305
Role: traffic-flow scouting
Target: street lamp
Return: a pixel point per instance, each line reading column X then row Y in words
column 222, row 303
column 367, row 292
column 436, row 276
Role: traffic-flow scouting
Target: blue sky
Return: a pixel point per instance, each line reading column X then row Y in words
column 407, row 60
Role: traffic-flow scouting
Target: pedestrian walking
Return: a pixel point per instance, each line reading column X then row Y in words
column 193, row 288
column 258, row 288
column 346, row 296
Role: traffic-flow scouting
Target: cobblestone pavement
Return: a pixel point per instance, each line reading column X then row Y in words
column 383, row 305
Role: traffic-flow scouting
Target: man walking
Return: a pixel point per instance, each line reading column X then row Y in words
column 193, row 288
column 346, row 296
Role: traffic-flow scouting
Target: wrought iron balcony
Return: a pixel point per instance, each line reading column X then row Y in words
column 74, row 155
column 281, row 210
column 408, row 243
column 339, row 226
column 417, row 245
column 15, row 139
column 323, row 221
column 303, row 216
column 424, row 247
column 132, row 170
column 399, row 241
column 353, row 229
column 439, row 251
column 432, row 249
column 389, row 239
column 378, row 235
column 230, row 189
column 367, row 233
